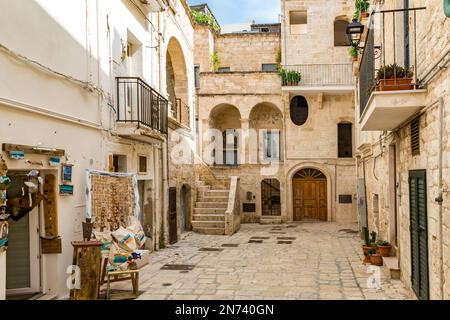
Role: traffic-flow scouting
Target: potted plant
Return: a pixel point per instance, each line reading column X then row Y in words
column 366, row 246
column 354, row 53
column 384, row 248
column 363, row 7
column 375, row 258
column 289, row 78
column 394, row 77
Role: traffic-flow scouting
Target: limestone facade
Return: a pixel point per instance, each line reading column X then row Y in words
column 386, row 159
column 245, row 97
column 58, row 86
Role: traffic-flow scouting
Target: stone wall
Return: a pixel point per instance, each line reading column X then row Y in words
column 432, row 42
column 247, row 51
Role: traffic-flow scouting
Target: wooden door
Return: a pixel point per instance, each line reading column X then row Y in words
column 419, row 233
column 310, row 196
column 173, row 228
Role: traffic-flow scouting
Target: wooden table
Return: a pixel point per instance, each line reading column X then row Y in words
column 133, row 276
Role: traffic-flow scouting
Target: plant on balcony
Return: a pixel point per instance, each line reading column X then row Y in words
column 290, row 77
column 215, row 61
column 363, row 6
column 393, row 77
column 206, row 20
column 354, row 53
column 278, row 58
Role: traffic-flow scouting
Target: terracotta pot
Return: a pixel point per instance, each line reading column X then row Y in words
column 355, row 58
column 366, row 253
column 384, row 251
column 395, row 84
column 364, row 14
column 376, row 259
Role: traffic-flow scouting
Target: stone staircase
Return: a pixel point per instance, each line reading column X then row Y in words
column 210, row 207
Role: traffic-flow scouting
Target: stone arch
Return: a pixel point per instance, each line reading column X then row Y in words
column 177, row 83
column 330, row 187
column 226, row 118
column 265, row 119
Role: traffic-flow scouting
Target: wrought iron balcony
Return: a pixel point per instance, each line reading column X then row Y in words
column 389, row 67
column 320, row 76
column 139, row 103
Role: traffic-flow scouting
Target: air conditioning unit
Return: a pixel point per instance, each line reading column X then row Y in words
column 154, row 5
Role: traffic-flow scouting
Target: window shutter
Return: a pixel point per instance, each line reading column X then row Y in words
column 415, row 137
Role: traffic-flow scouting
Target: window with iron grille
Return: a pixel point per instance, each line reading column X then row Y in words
column 415, row 137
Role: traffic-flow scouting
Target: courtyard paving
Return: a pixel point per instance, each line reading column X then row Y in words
column 324, row 261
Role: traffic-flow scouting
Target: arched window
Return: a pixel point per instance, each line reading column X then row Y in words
column 299, row 110
column 340, row 33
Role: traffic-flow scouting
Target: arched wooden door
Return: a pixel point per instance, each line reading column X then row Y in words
column 310, row 195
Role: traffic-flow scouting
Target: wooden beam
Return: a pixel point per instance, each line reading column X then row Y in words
column 31, row 149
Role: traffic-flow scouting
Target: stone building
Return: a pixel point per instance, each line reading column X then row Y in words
column 402, row 140
column 290, row 144
column 102, row 85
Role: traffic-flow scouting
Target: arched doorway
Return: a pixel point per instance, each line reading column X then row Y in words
column 309, row 187
column 227, row 119
column 270, row 197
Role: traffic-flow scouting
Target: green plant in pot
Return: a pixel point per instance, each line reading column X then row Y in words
column 289, row 78
column 384, row 248
column 354, row 53
column 363, row 7
column 366, row 247
column 215, row 61
column 393, row 77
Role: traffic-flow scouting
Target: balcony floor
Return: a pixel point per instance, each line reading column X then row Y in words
column 388, row 110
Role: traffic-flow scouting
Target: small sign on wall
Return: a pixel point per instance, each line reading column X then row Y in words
column 51, row 246
column 66, row 172
column 66, row 190
column 345, row 198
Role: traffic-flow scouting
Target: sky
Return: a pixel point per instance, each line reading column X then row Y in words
column 243, row 11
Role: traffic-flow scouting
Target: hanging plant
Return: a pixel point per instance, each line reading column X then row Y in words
column 215, row 60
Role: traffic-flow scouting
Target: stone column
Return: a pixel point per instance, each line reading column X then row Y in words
column 244, row 156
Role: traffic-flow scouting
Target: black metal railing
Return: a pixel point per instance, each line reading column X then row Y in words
column 139, row 103
column 180, row 111
column 324, row 74
column 389, row 60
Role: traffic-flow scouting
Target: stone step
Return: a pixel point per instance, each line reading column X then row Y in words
column 208, row 224
column 215, row 193
column 270, row 220
column 204, row 198
column 391, row 267
column 210, row 210
column 209, row 217
column 208, row 204
column 211, row 231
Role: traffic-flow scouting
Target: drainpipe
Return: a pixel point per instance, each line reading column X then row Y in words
column 440, row 198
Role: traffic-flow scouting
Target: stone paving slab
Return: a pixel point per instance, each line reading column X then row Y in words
column 321, row 263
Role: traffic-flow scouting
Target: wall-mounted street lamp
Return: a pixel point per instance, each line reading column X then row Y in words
column 354, row 31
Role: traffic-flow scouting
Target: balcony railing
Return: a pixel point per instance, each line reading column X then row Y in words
column 389, row 60
column 180, row 112
column 324, row 74
column 139, row 103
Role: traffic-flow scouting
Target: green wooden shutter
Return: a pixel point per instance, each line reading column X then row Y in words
column 419, row 233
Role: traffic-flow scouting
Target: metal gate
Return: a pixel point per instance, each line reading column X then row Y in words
column 270, row 197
